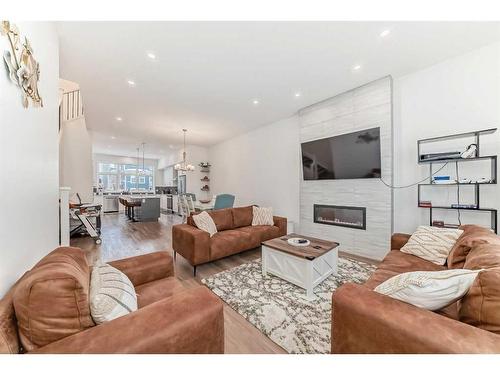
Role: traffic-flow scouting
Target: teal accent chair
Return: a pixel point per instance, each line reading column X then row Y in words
column 223, row 201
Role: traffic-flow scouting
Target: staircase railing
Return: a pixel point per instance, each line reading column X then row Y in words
column 71, row 106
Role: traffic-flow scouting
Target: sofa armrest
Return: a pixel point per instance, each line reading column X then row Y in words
column 281, row 223
column 192, row 243
column 188, row 322
column 145, row 268
column 365, row 321
column 398, row 240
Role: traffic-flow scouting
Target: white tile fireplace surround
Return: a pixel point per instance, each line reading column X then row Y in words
column 365, row 107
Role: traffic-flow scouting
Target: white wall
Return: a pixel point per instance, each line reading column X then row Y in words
column 75, row 159
column 29, row 226
column 458, row 95
column 261, row 167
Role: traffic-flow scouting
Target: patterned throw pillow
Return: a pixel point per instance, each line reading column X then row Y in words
column 431, row 290
column 205, row 222
column 112, row 294
column 262, row 216
column 432, row 243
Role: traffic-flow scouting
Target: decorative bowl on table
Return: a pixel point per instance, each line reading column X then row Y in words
column 297, row 241
column 205, row 201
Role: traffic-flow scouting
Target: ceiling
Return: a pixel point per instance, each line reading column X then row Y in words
column 206, row 75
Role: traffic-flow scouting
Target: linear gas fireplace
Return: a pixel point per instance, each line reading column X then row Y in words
column 343, row 216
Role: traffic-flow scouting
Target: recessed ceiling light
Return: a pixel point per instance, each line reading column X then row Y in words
column 356, row 67
column 113, row 137
column 171, row 146
column 385, row 33
column 119, row 118
column 151, row 55
column 298, row 94
column 130, row 82
column 255, row 102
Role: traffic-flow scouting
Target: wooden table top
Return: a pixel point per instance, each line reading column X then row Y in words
column 316, row 249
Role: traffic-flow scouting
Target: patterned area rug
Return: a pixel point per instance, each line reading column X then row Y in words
column 276, row 307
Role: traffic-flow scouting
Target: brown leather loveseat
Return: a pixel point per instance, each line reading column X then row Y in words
column 235, row 234
column 364, row 321
column 48, row 311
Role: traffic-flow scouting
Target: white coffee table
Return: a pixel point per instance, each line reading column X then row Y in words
column 304, row 266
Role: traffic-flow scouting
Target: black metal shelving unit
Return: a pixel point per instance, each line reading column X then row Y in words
column 491, row 158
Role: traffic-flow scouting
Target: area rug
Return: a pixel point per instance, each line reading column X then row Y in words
column 276, row 308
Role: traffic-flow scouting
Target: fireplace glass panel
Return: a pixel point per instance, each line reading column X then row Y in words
column 344, row 216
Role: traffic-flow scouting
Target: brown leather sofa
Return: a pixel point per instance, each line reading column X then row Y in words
column 364, row 321
column 235, row 234
column 47, row 310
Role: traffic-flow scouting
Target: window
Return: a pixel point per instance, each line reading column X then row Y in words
column 128, row 177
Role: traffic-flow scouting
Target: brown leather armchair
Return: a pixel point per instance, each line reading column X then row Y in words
column 170, row 319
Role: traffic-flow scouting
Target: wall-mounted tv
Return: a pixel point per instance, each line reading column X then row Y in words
column 346, row 156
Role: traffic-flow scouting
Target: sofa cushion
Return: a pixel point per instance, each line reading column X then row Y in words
column 223, row 219
column 473, row 235
column 159, row 289
column 262, row 216
column 205, row 222
column 481, row 306
column 430, row 290
column 261, row 233
column 112, row 294
column 51, row 301
column 396, row 262
column 229, row 242
column 432, row 243
column 242, row 216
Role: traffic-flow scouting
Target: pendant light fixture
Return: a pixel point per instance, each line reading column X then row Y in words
column 142, row 172
column 184, row 166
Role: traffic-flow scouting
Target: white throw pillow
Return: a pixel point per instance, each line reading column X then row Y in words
column 432, row 243
column 112, row 294
column 262, row 216
column 205, row 222
column 431, row 290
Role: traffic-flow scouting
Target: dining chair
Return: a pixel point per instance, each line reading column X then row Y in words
column 223, row 201
column 190, row 203
column 184, row 208
column 192, row 195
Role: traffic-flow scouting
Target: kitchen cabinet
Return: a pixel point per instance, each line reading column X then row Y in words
column 175, row 203
column 163, row 202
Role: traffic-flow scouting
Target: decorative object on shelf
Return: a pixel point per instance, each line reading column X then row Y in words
column 438, row 223
column 24, row 70
column 297, row 241
column 205, row 179
column 471, row 154
column 205, row 188
column 470, row 151
column 205, row 165
column 184, row 166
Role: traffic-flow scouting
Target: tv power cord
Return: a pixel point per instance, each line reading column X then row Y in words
column 415, row 183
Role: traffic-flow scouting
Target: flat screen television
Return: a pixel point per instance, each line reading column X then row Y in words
column 346, row 156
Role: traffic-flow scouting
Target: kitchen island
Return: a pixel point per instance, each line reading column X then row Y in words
column 145, row 207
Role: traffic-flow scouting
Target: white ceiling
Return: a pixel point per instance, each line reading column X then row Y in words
column 207, row 74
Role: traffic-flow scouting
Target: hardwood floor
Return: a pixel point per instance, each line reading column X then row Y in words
column 122, row 238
